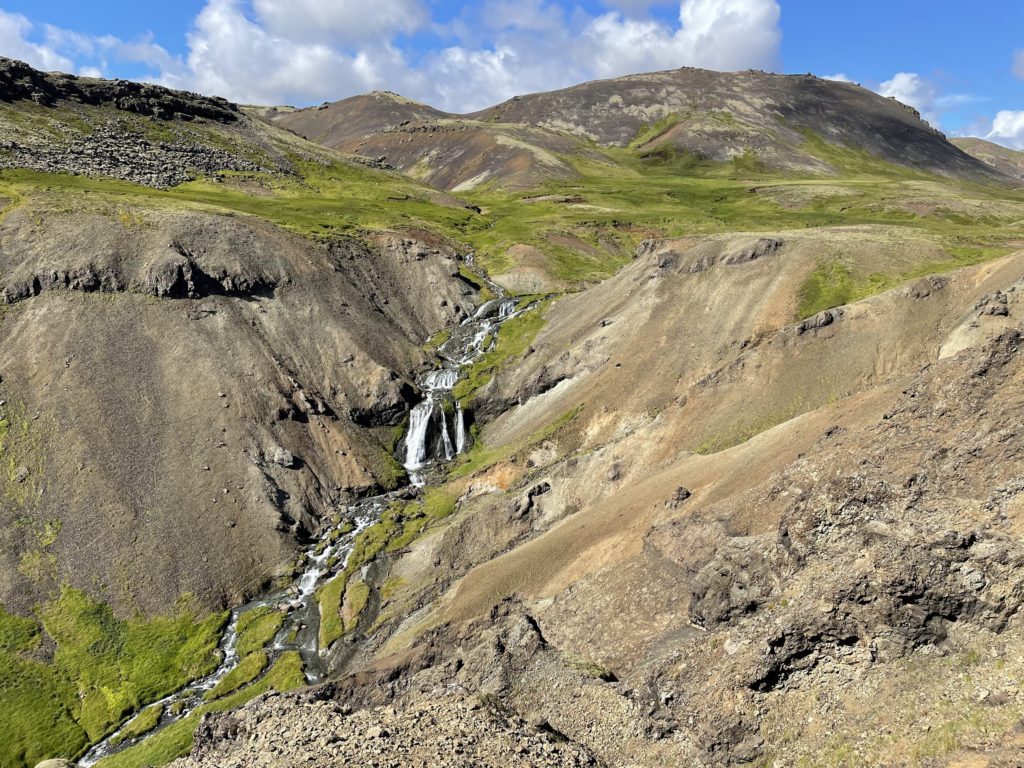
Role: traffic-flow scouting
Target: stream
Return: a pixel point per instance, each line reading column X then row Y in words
column 437, row 432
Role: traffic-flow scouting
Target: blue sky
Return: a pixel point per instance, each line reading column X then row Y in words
column 961, row 65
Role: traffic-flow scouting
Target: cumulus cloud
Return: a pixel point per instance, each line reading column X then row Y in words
column 538, row 50
column 303, row 51
column 1008, row 129
column 915, row 91
column 339, row 21
column 839, row 77
column 234, row 56
column 14, row 43
column 923, row 95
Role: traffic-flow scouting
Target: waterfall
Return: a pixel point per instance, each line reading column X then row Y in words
column 460, row 429
column 428, row 439
column 416, row 438
column 446, row 439
column 442, row 379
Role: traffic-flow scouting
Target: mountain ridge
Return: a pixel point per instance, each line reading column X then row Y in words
column 713, row 116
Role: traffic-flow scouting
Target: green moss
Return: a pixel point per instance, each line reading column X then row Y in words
column 391, row 586
column 248, row 669
column 832, row 284
column 481, row 456
column 514, row 337
column 142, row 723
column 835, row 282
column 329, row 596
column 175, row 740
column 357, row 597
column 653, row 130
column 103, row 669
column 256, row 628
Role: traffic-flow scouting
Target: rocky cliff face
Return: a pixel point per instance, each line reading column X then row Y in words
column 18, row 81
column 161, row 368
column 801, row 594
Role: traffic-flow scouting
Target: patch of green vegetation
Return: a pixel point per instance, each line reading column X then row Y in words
column 514, row 336
column 324, row 200
column 256, row 628
column 329, row 596
column 141, row 724
column 357, row 596
column 588, row 667
column 103, row 669
column 247, row 670
column 853, row 160
column 653, row 130
column 391, row 586
column 480, row 456
column 22, row 461
column 834, row 282
column 175, row 740
column 399, row 525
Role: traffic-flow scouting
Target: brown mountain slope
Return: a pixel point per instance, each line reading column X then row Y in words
column 337, row 123
column 790, row 123
column 722, row 115
column 795, row 596
column 1003, row 159
column 162, row 367
column 432, row 146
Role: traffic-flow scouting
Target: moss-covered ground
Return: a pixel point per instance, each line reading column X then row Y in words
column 103, row 669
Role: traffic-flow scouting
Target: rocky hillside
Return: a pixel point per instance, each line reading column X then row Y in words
column 661, row 593
column 797, row 124
column 742, row 464
column 1007, row 161
column 216, row 365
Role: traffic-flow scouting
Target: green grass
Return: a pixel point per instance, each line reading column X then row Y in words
column 835, row 282
column 481, row 456
column 248, row 669
column 399, row 525
column 329, row 596
column 256, row 628
column 103, row 670
column 141, row 724
column 358, row 596
column 326, row 200
column 175, row 740
column 514, row 337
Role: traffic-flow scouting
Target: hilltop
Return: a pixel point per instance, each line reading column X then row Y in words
column 1007, row 161
column 798, row 124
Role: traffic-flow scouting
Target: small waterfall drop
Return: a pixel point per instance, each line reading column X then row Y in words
column 437, row 432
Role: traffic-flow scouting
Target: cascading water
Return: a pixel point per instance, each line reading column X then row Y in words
column 428, row 440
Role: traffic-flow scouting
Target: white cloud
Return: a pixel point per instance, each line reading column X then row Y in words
column 1008, row 129
column 1018, row 64
column 923, row 95
column 303, row 51
column 538, row 50
column 14, row 43
column 839, row 77
column 339, row 21
column 915, row 91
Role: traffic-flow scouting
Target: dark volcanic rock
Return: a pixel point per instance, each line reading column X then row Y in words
column 20, row 81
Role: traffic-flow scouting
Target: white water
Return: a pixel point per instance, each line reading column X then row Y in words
column 460, row 429
column 428, row 440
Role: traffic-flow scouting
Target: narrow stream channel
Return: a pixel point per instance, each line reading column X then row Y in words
column 437, row 433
